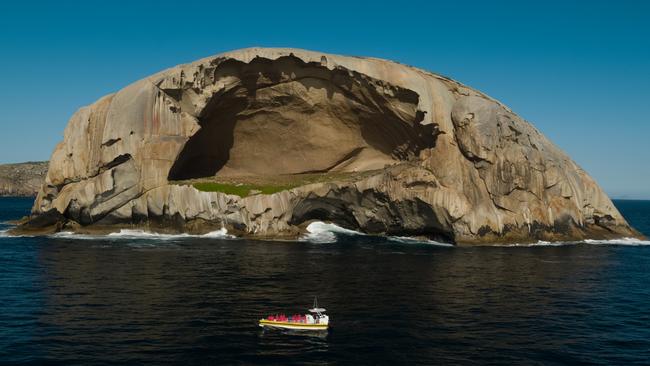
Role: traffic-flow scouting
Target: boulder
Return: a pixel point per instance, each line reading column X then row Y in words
column 407, row 152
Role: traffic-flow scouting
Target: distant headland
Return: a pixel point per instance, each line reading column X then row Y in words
column 22, row 179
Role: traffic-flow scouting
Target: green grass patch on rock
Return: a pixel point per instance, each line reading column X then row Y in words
column 244, row 186
column 241, row 190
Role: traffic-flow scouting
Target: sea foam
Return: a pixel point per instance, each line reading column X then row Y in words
column 320, row 232
column 5, row 234
column 540, row 243
column 621, row 241
column 130, row 234
column 410, row 240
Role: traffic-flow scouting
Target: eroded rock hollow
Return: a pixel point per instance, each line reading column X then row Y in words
column 285, row 116
column 367, row 144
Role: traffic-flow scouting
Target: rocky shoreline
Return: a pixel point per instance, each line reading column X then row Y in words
column 314, row 197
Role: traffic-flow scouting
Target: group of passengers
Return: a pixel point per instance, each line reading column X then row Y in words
column 296, row 318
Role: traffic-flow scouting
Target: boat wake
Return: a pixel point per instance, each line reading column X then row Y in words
column 129, row 234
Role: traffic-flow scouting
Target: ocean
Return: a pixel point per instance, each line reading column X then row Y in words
column 138, row 298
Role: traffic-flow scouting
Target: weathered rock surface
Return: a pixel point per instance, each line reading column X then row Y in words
column 451, row 163
column 22, row 179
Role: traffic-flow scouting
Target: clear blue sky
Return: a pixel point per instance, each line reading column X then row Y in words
column 579, row 71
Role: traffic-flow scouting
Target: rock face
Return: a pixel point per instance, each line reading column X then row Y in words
column 23, row 179
column 445, row 161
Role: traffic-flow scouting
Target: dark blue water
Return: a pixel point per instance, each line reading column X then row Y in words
column 196, row 301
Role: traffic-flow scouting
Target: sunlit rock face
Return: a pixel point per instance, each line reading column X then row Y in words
column 434, row 158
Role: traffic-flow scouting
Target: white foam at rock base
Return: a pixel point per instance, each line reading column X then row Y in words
column 6, row 234
column 410, row 240
column 621, row 241
column 219, row 234
column 141, row 234
column 541, row 243
column 321, row 232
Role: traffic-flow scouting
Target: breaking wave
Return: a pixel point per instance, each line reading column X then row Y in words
column 321, row 232
column 141, row 234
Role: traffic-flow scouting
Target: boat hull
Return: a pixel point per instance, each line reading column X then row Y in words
column 290, row 325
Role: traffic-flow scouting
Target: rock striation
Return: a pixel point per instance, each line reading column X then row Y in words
column 442, row 160
column 22, row 179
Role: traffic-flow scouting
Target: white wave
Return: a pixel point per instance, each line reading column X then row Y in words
column 621, row 241
column 410, row 240
column 219, row 234
column 540, row 243
column 141, row 234
column 6, row 234
column 321, row 232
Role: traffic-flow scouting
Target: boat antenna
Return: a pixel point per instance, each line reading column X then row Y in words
column 315, row 302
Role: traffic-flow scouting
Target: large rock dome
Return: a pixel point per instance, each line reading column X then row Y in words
column 368, row 144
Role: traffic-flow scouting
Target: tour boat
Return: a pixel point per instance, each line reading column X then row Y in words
column 315, row 320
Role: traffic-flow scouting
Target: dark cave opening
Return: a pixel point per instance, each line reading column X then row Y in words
column 286, row 116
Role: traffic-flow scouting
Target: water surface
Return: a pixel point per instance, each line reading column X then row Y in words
column 194, row 301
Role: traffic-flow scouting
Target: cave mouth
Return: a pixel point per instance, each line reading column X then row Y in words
column 286, row 116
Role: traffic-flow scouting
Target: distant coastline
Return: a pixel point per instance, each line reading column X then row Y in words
column 629, row 198
column 22, row 179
